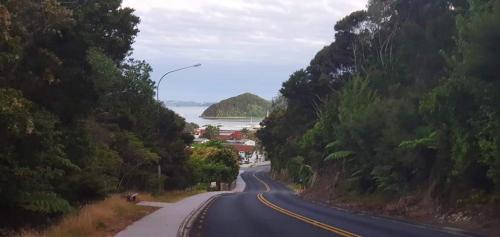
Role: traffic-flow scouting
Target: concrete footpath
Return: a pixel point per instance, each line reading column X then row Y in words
column 166, row 220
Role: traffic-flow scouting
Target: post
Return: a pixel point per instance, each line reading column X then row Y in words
column 160, row 186
column 159, row 107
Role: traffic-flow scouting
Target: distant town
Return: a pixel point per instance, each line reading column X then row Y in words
column 230, row 121
column 242, row 140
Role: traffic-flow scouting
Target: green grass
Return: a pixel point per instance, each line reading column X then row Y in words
column 170, row 196
column 295, row 187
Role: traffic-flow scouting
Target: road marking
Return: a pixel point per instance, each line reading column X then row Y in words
column 308, row 220
column 316, row 223
column 262, row 181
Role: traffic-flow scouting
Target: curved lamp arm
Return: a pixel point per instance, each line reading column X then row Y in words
column 158, row 99
column 158, row 86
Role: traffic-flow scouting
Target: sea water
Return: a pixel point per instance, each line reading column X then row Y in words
column 192, row 114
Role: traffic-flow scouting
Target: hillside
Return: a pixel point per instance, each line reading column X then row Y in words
column 244, row 105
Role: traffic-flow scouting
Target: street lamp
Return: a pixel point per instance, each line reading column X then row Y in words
column 159, row 106
column 158, row 86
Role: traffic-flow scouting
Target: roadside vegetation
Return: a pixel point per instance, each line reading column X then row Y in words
column 103, row 218
column 172, row 196
column 213, row 162
column 78, row 117
column 109, row 216
column 404, row 104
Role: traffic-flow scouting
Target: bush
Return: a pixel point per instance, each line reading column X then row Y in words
column 214, row 163
column 83, row 188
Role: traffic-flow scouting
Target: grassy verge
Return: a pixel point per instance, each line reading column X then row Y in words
column 104, row 218
column 107, row 217
column 170, row 196
column 298, row 188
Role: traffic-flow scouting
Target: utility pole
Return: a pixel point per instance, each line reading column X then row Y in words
column 159, row 107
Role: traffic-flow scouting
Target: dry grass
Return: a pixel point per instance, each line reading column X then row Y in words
column 107, row 217
column 104, row 218
column 297, row 188
column 170, row 196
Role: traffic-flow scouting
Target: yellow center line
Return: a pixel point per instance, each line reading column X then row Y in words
column 313, row 222
column 316, row 223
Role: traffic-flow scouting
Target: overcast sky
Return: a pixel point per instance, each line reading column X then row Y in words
column 243, row 45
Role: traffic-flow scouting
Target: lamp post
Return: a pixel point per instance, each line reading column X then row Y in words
column 159, row 106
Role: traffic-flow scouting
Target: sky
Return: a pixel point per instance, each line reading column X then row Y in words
column 243, row 45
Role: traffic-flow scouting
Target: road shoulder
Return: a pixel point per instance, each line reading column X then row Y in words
column 168, row 220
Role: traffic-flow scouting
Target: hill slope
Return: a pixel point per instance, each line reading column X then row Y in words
column 244, row 105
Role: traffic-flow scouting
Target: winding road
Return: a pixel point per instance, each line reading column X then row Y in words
column 268, row 208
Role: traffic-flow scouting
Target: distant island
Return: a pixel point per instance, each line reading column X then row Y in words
column 244, row 105
column 178, row 103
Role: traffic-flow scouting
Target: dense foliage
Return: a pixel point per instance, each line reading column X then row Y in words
column 244, row 105
column 211, row 132
column 78, row 118
column 407, row 98
column 214, row 162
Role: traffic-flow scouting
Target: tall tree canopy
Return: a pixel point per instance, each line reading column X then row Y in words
column 79, row 119
column 404, row 99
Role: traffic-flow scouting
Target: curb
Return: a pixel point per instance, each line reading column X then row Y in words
column 187, row 223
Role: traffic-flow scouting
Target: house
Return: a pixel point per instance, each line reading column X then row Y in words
column 225, row 135
column 248, row 142
column 243, row 150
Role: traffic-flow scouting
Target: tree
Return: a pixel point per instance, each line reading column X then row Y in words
column 79, row 118
column 32, row 160
column 404, row 100
column 191, row 127
column 211, row 132
column 464, row 109
column 213, row 162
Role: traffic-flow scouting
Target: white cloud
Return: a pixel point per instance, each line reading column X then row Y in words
column 240, row 30
column 264, row 39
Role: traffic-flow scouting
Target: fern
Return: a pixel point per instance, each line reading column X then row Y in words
column 425, row 142
column 45, row 203
column 332, row 145
column 339, row 155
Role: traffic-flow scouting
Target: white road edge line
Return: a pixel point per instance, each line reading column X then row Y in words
column 187, row 223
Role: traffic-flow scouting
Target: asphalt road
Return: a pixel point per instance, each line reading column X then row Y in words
column 268, row 208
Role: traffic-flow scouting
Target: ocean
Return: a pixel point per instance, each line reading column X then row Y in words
column 192, row 114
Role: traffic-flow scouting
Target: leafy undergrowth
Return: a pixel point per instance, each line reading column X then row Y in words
column 104, row 218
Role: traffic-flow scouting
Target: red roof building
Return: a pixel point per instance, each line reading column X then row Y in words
column 243, row 148
column 225, row 135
